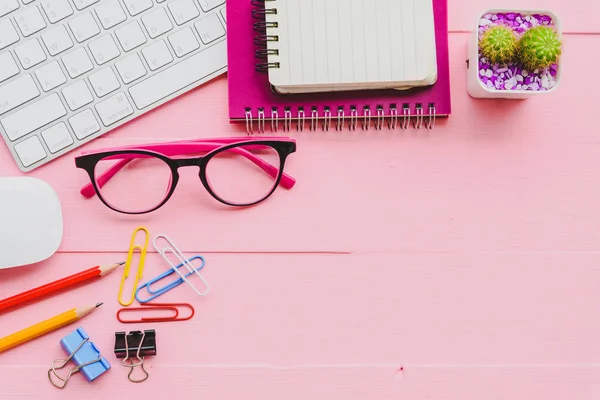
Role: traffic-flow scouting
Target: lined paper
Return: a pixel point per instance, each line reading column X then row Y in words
column 343, row 44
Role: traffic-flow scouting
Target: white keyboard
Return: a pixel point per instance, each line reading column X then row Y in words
column 73, row 70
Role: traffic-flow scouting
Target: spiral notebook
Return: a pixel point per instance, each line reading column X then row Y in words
column 253, row 101
column 322, row 46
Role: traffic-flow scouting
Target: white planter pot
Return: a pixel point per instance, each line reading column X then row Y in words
column 476, row 88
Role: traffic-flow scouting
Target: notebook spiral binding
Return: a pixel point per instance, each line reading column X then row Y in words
column 261, row 26
column 402, row 116
column 394, row 118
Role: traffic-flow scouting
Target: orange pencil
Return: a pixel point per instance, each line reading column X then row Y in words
column 49, row 325
column 56, row 286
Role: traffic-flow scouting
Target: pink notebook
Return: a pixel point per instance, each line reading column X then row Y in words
column 254, row 103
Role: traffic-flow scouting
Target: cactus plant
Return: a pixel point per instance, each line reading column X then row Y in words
column 498, row 44
column 539, row 48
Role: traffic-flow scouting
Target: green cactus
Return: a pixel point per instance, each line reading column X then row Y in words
column 539, row 47
column 498, row 44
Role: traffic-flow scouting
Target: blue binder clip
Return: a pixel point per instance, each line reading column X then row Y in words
column 154, row 293
column 86, row 356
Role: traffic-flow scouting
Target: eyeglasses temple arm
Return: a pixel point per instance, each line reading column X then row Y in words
column 88, row 190
column 181, row 149
column 177, row 149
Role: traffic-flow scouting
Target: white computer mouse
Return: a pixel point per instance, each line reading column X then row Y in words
column 31, row 222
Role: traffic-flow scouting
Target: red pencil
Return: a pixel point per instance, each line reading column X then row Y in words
column 56, row 286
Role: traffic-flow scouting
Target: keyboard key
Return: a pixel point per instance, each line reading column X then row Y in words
column 30, row 21
column 184, row 42
column 208, row 5
column 209, row 29
column 157, row 55
column 17, row 92
column 130, row 36
column 84, row 124
column 179, row 76
column 104, row 49
column 104, row 82
column 130, row 68
column 8, row 67
column 30, row 53
column 57, row 137
column 110, row 13
column 183, row 11
column 34, row 116
column 30, row 151
column 77, row 95
column 56, row 10
column 8, row 34
column 114, row 109
column 157, row 22
column 57, row 40
column 50, row 76
column 77, row 63
column 224, row 14
column 81, row 4
column 8, row 6
column 84, row 27
column 137, row 6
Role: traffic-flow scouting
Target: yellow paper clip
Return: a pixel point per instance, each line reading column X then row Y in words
column 142, row 250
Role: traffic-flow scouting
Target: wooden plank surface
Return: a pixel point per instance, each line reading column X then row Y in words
column 576, row 16
column 460, row 263
column 471, row 308
column 360, row 382
column 532, row 163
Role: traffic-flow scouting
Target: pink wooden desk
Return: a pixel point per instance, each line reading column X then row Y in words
column 462, row 263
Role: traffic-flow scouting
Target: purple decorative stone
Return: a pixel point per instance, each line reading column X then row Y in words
column 511, row 16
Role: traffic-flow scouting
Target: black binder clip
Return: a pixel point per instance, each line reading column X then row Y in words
column 135, row 344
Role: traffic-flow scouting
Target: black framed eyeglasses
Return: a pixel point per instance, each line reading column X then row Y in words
column 140, row 179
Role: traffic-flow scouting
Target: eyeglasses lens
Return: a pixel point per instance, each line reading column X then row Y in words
column 245, row 174
column 139, row 183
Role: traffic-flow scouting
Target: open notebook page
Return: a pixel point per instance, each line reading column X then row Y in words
column 331, row 45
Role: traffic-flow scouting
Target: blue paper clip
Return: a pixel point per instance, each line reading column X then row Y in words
column 154, row 293
column 85, row 355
